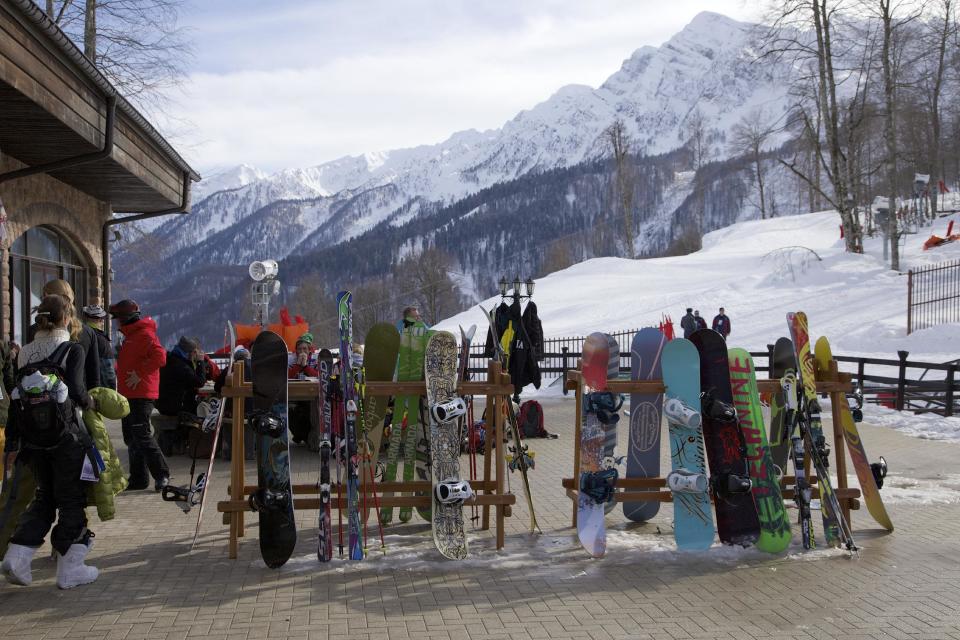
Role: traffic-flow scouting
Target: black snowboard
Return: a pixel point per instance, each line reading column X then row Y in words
column 784, row 359
column 273, row 499
column 737, row 519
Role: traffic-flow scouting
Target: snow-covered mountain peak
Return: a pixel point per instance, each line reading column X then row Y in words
column 226, row 179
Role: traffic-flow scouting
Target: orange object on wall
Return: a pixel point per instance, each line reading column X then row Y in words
column 290, row 333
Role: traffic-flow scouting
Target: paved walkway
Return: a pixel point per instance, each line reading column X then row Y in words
column 904, row 585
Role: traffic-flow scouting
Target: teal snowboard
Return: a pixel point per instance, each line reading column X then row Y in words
column 692, row 514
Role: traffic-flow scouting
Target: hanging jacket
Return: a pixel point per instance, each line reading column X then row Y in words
column 502, row 321
column 139, row 360
column 534, row 328
column 113, row 480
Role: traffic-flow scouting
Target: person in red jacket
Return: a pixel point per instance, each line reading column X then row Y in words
column 138, row 379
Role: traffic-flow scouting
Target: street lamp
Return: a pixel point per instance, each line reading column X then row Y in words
column 503, row 287
column 529, row 285
column 265, row 284
column 516, row 286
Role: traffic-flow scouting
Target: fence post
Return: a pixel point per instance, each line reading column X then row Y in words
column 901, row 379
column 860, row 365
column 909, row 301
column 949, row 402
column 769, row 360
column 563, row 350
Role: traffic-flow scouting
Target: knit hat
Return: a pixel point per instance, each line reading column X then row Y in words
column 306, row 338
column 188, row 345
column 125, row 311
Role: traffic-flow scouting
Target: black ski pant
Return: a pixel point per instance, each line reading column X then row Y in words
column 142, row 447
column 59, row 489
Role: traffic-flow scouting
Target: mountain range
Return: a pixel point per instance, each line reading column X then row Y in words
column 545, row 175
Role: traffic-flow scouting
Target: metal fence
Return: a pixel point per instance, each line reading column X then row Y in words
column 933, row 295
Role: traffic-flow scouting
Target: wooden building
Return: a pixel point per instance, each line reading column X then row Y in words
column 72, row 152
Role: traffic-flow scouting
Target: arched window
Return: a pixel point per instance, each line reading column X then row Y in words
column 36, row 257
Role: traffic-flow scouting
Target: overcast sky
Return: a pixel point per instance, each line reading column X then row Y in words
column 296, row 83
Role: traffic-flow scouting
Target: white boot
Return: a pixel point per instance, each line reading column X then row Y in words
column 71, row 572
column 16, row 564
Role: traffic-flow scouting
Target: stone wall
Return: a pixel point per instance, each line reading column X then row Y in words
column 42, row 200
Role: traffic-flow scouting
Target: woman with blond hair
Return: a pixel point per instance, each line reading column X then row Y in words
column 79, row 332
column 55, row 443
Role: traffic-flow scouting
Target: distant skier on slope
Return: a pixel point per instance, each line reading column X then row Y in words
column 688, row 323
column 701, row 323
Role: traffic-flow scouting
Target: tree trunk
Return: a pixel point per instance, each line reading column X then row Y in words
column 90, row 31
column 889, row 131
column 935, row 164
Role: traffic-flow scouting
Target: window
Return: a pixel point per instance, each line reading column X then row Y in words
column 37, row 257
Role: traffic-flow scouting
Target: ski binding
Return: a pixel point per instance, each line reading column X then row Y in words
column 681, row 414
column 449, row 410
column 686, row 481
column 453, row 491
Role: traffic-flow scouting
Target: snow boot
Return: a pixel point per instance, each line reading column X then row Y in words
column 71, row 572
column 16, row 564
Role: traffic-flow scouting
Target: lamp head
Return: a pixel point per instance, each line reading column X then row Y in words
column 516, row 285
column 263, row 269
column 529, row 285
column 503, row 286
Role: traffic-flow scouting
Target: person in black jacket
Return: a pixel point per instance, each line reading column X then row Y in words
column 94, row 316
column 180, row 378
column 79, row 332
column 61, row 493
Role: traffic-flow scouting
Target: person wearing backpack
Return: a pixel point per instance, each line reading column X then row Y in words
column 79, row 332
column 45, row 430
column 138, row 380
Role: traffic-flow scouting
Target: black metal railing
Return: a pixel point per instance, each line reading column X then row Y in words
column 933, row 295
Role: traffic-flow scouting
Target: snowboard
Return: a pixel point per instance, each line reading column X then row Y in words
column 643, row 452
column 325, row 406
column 379, row 362
column 868, row 483
column 273, row 499
column 834, row 532
column 597, row 474
column 692, row 514
column 737, row 519
column 352, row 459
column 774, row 521
column 407, row 433
column 610, row 429
column 779, row 436
column 445, row 407
column 217, row 424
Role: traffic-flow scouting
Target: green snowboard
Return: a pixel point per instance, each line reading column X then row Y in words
column 379, row 361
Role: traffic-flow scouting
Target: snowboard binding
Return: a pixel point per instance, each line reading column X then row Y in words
column 605, row 404
column 686, row 481
column 879, row 470
column 449, row 410
column 730, row 484
column 209, row 411
column 265, row 500
column 453, row 492
column 523, row 461
column 681, row 414
column 717, row 409
column 186, row 497
column 267, row 423
column 600, row 485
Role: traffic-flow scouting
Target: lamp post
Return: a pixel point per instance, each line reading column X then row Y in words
column 528, row 286
column 265, row 284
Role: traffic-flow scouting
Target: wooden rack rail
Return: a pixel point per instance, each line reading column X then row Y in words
column 490, row 489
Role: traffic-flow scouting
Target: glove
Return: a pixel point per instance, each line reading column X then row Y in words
column 132, row 379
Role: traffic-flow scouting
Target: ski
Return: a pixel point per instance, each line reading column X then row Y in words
column 345, row 315
column 835, row 530
column 325, row 531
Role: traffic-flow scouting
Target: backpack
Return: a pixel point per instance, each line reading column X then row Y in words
column 531, row 420
column 44, row 407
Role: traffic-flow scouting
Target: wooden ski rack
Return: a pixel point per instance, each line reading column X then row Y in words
column 832, row 383
column 490, row 489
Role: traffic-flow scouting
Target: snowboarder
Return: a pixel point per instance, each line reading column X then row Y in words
column 701, row 323
column 721, row 324
column 138, row 373
column 94, row 317
column 688, row 323
column 61, row 493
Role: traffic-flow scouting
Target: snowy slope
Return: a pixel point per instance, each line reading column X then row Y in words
column 853, row 299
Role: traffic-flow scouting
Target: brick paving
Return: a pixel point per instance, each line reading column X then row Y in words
column 904, row 585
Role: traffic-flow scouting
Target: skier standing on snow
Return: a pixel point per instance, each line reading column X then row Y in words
column 61, row 494
column 701, row 323
column 721, row 324
column 138, row 373
column 688, row 323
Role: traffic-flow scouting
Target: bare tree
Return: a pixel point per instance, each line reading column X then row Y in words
column 433, row 290
column 943, row 29
column 695, row 130
column 624, row 179
column 138, row 44
column 748, row 138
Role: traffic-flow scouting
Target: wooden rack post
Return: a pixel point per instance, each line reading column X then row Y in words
column 490, row 491
column 627, row 489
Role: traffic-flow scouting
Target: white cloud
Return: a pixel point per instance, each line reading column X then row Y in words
column 319, row 82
